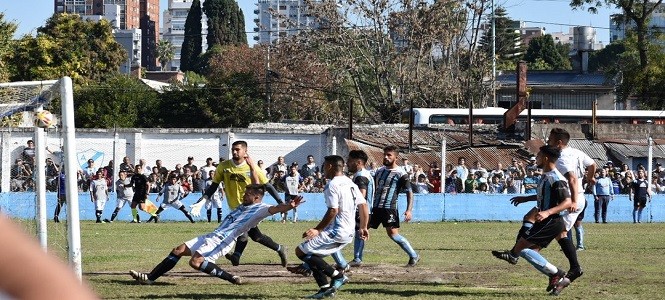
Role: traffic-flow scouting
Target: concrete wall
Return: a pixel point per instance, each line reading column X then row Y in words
column 426, row 208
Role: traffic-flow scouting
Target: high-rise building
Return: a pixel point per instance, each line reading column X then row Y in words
column 149, row 24
column 281, row 18
column 174, row 29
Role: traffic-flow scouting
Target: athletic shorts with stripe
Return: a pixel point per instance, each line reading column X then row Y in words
column 389, row 218
column 210, row 246
column 542, row 233
column 325, row 244
column 569, row 218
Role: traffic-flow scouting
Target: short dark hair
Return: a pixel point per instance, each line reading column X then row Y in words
column 336, row 161
column 560, row 134
column 241, row 143
column 358, row 154
column 391, row 148
column 551, row 152
column 259, row 188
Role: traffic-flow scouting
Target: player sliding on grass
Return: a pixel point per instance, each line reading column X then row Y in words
column 553, row 196
column 336, row 229
column 206, row 249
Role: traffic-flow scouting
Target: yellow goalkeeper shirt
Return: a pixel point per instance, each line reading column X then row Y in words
column 235, row 178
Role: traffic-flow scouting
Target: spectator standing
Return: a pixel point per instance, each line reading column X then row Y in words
column 627, row 182
column 144, row 165
column 309, row 168
column 28, row 154
column 126, row 166
column 408, row 168
column 603, row 192
column 372, row 168
column 89, row 171
column 496, row 186
column 423, row 186
column 530, row 182
column 280, row 165
column 531, row 165
column 462, row 170
column 617, row 186
column 498, row 172
column 191, row 165
column 454, row 183
column 656, row 187
column 205, row 170
column 471, row 183
column 198, row 184
column 481, row 173
column 163, row 171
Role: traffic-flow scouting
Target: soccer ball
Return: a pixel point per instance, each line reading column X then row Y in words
column 44, row 119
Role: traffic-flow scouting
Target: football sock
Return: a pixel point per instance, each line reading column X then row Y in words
column 184, row 211
column 634, row 215
column 579, row 230
column 215, row 270
column 159, row 210
column 262, row 239
column 115, row 214
column 570, row 252
column 166, row 265
column 317, row 263
column 525, row 227
column 98, row 215
column 639, row 215
column 402, row 242
column 339, row 259
column 57, row 210
column 209, row 214
column 240, row 247
column 539, row 262
column 358, row 247
column 219, row 215
column 135, row 214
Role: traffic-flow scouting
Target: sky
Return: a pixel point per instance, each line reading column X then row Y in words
column 554, row 15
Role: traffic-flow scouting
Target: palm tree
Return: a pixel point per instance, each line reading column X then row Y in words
column 165, row 52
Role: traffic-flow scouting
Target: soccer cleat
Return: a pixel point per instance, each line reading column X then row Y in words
column 562, row 284
column 413, row 261
column 505, row 255
column 236, row 280
column 572, row 275
column 337, row 283
column 108, row 221
column 345, row 269
column 141, row 278
column 300, row 269
column 580, row 248
column 321, row 294
column 554, row 279
column 234, row 259
column 356, row 263
column 56, row 219
column 282, row 255
column 134, row 221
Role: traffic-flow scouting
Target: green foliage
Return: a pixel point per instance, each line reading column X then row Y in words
column 606, row 59
column 68, row 46
column 543, row 54
column 7, row 30
column 191, row 46
column 120, row 101
column 165, row 52
column 226, row 23
column 508, row 50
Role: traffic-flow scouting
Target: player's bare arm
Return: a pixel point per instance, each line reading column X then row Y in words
column 565, row 204
column 253, row 168
column 284, row 207
column 521, row 199
column 590, row 174
column 409, row 206
column 572, row 183
column 363, row 211
column 327, row 219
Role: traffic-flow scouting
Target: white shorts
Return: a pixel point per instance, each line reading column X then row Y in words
column 99, row 204
column 217, row 203
column 175, row 204
column 324, row 245
column 209, row 246
column 569, row 218
column 122, row 201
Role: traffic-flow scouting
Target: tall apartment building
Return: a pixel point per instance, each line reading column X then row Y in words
column 123, row 15
column 174, row 29
column 656, row 25
column 281, row 18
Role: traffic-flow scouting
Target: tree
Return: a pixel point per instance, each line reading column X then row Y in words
column 543, row 50
column 64, row 47
column 191, row 46
column 164, row 53
column 508, row 47
column 119, row 101
column 7, row 30
column 226, row 23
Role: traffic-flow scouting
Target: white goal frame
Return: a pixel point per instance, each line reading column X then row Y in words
column 66, row 93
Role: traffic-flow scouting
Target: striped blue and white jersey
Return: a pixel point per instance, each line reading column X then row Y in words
column 552, row 190
column 389, row 183
column 341, row 193
column 365, row 181
column 241, row 220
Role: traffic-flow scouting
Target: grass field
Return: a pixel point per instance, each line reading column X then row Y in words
column 623, row 261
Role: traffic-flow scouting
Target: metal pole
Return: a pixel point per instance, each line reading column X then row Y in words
column 350, row 118
column 493, row 57
column 40, row 178
column 411, row 125
column 650, row 166
column 268, row 78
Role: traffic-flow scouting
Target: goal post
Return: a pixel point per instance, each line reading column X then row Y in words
column 29, row 97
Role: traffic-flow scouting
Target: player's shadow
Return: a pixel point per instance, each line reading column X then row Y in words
column 414, row 293
column 203, row 296
column 134, row 282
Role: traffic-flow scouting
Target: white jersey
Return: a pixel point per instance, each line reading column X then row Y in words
column 241, row 220
column 172, row 192
column 344, row 195
column 122, row 191
column 576, row 161
column 205, row 170
column 99, row 189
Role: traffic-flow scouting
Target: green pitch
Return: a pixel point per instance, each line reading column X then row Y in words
column 623, row 261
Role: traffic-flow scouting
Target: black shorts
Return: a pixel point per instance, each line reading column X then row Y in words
column 641, row 202
column 542, row 233
column 138, row 198
column 388, row 217
column 580, row 217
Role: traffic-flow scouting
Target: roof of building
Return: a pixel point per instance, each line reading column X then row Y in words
column 554, row 79
column 635, row 148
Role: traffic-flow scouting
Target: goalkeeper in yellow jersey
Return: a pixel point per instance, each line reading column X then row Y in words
column 236, row 174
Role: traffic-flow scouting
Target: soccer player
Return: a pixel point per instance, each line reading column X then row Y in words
column 99, row 194
column 236, row 174
column 141, row 186
column 365, row 182
column 639, row 192
column 389, row 181
column 62, row 196
column 553, row 196
column 172, row 192
column 216, row 199
column 336, row 229
column 124, row 194
column 206, row 249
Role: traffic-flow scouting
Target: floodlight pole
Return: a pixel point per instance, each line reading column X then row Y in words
column 493, row 57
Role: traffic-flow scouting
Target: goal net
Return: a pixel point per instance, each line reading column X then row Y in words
column 25, row 170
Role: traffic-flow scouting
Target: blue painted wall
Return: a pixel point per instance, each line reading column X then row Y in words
column 426, row 208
